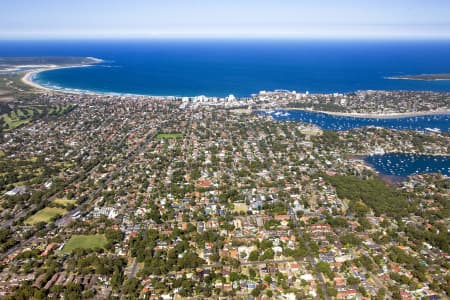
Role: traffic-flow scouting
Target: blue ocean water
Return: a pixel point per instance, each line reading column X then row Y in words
column 338, row 123
column 403, row 165
column 240, row 67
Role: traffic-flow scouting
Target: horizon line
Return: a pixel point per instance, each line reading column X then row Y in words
column 261, row 38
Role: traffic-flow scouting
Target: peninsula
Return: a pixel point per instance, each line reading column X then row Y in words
column 19, row 63
column 16, row 73
column 424, row 77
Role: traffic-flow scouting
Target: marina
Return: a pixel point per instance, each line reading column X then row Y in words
column 426, row 123
column 403, row 164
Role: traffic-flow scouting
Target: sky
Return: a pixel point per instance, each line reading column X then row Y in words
column 397, row 19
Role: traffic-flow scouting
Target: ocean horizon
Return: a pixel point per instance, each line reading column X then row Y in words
column 239, row 67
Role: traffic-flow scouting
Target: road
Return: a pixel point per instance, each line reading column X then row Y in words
column 309, row 256
column 25, row 212
column 16, row 247
column 63, row 221
column 133, row 268
column 17, row 217
column 374, row 277
column 108, row 179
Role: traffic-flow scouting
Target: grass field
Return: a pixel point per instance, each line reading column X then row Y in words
column 169, row 136
column 64, row 201
column 26, row 114
column 85, row 242
column 45, row 215
column 13, row 122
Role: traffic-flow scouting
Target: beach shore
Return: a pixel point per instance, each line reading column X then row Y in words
column 30, row 74
column 33, row 70
column 28, row 79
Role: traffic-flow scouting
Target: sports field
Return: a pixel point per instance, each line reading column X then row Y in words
column 85, row 242
column 64, row 201
column 169, row 135
column 45, row 215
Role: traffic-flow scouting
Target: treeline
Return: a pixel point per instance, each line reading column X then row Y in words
column 88, row 261
column 373, row 192
column 438, row 238
column 6, row 239
column 158, row 262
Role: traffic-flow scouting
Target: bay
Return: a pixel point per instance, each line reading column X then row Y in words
column 403, row 165
column 240, row 67
column 337, row 123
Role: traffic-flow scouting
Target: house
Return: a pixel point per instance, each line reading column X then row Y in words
column 18, row 190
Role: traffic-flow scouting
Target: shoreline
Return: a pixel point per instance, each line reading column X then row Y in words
column 416, row 78
column 391, row 178
column 387, row 115
column 376, row 115
column 30, row 74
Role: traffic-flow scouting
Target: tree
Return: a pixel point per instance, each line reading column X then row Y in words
column 381, row 294
column 353, row 280
column 132, row 287
column 252, row 273
column 350, row 239
column 268, row 254
column 331, row 291
column 266, row 244
column 324, row 267
column 253, row 255
column 117, row 278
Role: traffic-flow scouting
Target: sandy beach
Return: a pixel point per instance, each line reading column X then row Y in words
column 29, row 75
column 28, row 79
column 36, row 69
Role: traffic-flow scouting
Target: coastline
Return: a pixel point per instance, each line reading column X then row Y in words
column 391, row 178
column 416, row 78
column 28, row 78
column 387, row 115
column 376, row 115
column 30, row 74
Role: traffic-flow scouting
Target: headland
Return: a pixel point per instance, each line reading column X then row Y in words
column 424, row 77
column 31, row 66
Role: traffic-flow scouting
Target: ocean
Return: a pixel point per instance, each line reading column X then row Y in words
column 240, row 67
